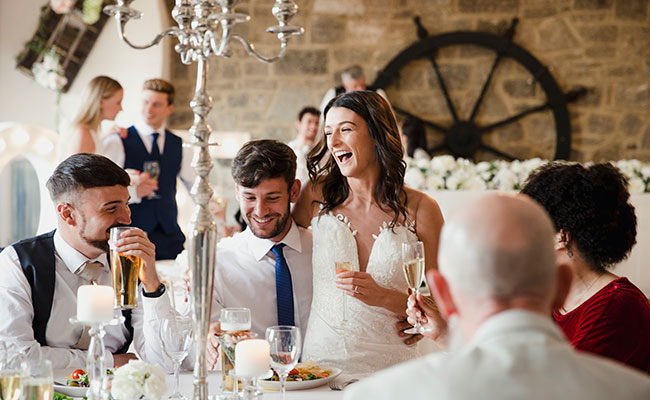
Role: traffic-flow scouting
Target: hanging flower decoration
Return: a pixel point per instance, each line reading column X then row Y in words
column 49, row 73
column 62, row 6
column 91, row 11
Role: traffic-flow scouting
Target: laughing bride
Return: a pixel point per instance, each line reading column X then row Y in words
column 360, row 213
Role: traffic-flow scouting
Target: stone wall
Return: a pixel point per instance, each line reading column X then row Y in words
column 602, row 45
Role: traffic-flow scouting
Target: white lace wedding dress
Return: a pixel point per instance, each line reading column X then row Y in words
column 368, row 341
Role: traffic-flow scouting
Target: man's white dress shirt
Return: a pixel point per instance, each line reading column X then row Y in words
column 17, row 313
column 114, row 149
column 245, row 277
column 514, row 355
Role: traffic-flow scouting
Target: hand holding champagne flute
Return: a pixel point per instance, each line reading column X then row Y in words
column 343, row 266
column 153, row 169
column 413, row 265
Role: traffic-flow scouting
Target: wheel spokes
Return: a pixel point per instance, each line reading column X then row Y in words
column 514, row 118
column 497, row 152
column 430, row 124
column 486, row 84
column 443, row 87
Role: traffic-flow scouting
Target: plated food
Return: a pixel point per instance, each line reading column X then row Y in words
column 305, row 376
column 76, row 383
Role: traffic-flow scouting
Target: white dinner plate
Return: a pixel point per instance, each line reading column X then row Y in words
column 300, row 385
column 72, row 391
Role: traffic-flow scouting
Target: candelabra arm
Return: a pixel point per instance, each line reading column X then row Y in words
column 174, row 31
column 251, row 49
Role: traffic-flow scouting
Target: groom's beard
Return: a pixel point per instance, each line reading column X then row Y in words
column 455, row 338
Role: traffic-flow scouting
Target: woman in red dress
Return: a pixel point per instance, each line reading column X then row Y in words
column 596, row 229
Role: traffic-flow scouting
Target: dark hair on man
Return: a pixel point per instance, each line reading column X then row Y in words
column 308, row 110
column 161, row 86
column 591, row 205
column 84, row 171
column 264, row 159
column 389, row 193
column 416, row 135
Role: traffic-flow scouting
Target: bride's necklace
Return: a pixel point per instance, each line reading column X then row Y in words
column 583, row 295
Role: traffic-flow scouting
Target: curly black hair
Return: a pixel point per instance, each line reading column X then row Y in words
column 592, row 205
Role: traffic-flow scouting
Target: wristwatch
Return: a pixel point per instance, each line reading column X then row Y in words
column 156, row 293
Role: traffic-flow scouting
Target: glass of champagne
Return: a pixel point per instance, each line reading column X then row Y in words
column 176, row 336
column 124, row 270
column 38, row 382
column 235, row 326
column 286, row 344
column 12, row 372
column 153, row 169
column 413, row 265
column 343, row 266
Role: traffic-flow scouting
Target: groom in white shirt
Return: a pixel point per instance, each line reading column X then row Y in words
column 39, row 276
column 266, row 268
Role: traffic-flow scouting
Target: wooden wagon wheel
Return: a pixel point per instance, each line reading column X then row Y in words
column 464, row 136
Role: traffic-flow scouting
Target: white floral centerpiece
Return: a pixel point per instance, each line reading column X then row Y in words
column 138, row 380
column 448, row 173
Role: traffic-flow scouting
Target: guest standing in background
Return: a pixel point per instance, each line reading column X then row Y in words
column 149, row 144
column 102, row 100
column 307, row 127
column 595, row 228
column 352, row 78
column 414, row 137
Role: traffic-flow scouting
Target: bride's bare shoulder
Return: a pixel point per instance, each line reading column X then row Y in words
column 307, row 205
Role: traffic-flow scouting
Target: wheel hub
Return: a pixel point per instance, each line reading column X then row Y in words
column 463, row 139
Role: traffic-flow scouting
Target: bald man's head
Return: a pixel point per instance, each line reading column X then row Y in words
column 499, row 247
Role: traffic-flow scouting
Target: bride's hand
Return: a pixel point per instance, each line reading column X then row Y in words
column 362, row 286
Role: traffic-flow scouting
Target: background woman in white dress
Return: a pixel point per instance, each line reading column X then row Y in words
column 361, row 212
column 101, row 100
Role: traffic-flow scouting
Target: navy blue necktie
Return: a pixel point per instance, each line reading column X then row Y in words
column 155, row 151
column 283, row 287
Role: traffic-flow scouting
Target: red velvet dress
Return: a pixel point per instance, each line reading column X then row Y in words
column 614, row 323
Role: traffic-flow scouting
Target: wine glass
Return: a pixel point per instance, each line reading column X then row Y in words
column 343, row 266
column 285, row 344
column 38, row 381
column 153, row 169
column 413, row 265
column 176, row 337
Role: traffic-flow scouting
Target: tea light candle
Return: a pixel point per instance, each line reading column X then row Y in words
column 252, row 358
column 95, row 303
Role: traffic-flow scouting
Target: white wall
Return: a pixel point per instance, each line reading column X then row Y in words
column 23, row 100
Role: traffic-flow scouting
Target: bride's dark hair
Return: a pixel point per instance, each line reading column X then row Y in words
column 389, row 193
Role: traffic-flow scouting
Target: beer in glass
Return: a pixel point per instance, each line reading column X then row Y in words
column 124, row 271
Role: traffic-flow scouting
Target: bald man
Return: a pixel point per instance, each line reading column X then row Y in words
column 497, row 284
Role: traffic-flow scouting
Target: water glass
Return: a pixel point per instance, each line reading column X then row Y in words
column 38, row 382
column 176, row 335
column 235, row 326
column 286, row 345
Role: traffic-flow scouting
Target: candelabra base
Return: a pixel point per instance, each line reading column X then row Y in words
column 250, row 389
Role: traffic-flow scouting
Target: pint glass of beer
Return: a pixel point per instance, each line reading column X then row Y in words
column 124, row 270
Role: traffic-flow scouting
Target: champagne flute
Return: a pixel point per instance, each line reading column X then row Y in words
column 12, row 372
column 343, row 266
column 413, row 265
column 176, row 337
column 286, row 344
column 38, row 384
column 153, row 169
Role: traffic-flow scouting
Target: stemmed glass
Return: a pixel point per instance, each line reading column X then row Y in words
column 413, row 265
column 286, row 344
column 343, row 266
column 153, row 169
column 176, row 337
column 12, row 372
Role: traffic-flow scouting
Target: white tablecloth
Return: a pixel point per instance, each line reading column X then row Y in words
column 635, row 268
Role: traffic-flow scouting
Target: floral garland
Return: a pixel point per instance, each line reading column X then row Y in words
column 448, row 173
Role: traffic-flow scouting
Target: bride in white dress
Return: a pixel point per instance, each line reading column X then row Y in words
column 361, row 212
column 102, row 99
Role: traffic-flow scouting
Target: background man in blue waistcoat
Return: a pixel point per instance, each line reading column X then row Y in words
column 40, row 276
column 153, row 207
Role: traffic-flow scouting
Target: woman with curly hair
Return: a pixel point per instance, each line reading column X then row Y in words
column 361, row 213
column 596, row 229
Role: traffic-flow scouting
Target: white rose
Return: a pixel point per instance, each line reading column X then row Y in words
column 435, row 182
column 645, row 172
column 414, row 178
column 637, row 185
column 443, row 163
column 483, row 166
column 505, row 180
column 154, row 385
column 474, row 183
column 422, row 163
column 124, row 387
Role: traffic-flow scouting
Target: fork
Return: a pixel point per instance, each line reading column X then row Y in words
column 341, row 386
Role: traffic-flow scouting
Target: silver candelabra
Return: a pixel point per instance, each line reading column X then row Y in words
column 205, row 28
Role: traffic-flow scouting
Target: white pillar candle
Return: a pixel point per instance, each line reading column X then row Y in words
column 95, row 303
column 252, row 358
